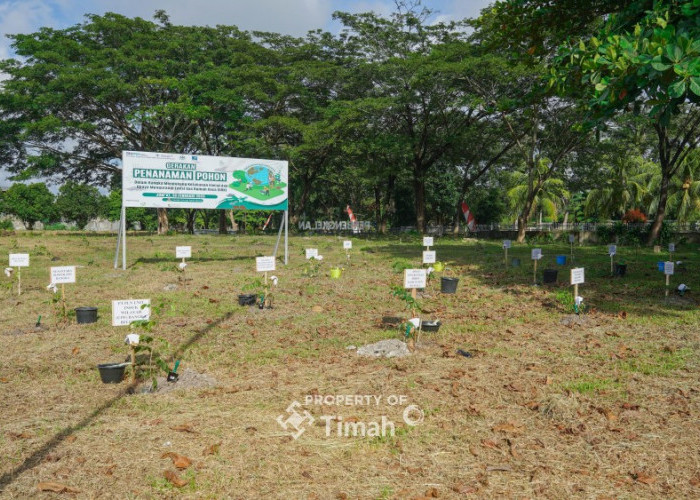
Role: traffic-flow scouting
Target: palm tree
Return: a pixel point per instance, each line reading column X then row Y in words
column 548, row 197
column 627, row 184
column 684, row 191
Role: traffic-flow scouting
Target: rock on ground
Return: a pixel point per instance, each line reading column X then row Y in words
column 392, row 348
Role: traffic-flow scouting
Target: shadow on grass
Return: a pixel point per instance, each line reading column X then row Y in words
column 38, row 456
column 194, row 260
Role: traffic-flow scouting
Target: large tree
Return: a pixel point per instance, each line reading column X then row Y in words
column 79, row 203
column 29, row 203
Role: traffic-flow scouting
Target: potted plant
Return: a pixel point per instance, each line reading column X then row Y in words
column 262, row 292
column 312, row 266
column 411, row 327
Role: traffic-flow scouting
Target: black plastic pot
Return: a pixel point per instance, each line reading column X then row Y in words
column 112, row 373
column 620, row 269
column 448, row 285
column 430, row 326
column 549, row 276
column 247, row 299
column 86, row 314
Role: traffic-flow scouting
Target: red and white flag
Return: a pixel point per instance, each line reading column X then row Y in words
column 350, row 214
column 471, row 221
column 267, row 221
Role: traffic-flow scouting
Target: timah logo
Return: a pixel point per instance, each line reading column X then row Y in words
column 295, row 420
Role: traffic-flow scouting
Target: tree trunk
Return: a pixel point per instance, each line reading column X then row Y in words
column 234, row 226
column 191, row 216
column 419, row 202
column 222, row 222
column 661, row 210
column 523, row 218
column 163, row 225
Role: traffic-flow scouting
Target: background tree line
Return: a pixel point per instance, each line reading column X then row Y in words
column 581, row 110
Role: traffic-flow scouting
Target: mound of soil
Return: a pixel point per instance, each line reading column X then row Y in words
column 188, row 379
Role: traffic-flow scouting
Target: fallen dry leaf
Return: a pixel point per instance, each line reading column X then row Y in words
column 212, row 450
column 489, row 444
column 622, row 315
column 55, row 487
column 509, row 427
column 643, row 477
column 317, row 309
column 71, row 439
column 432, row 493
column 184, row 428
column 179, row 461
column 75, row 350
column 174, row 479
column 695, row 480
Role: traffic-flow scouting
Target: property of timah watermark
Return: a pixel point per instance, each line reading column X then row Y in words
column 334, row 225
column 298, row 419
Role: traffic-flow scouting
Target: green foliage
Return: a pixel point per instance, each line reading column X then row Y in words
column 6, row 225
column 405, row 296
column 30, row 203
column 399, row 265
column 79, row 203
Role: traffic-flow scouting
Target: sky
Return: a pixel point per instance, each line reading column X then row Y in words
column 292, row 17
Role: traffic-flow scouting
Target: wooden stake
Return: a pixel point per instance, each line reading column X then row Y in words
column 668, row 282
column 19, row 280
column 63, row 298
column 612, row 256
column 133, row 362
column 506, row 256
column 534, row 272
column 575, row 292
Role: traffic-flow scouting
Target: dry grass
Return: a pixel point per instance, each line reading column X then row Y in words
column 603, row 409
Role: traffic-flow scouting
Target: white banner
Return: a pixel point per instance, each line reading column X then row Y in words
column 166, row 180
column 183, row 252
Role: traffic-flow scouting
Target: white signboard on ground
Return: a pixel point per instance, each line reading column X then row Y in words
column 536, row 253
column 668, row 268
column 264, row 264
column 671, row 247
column 311, row 253
column 414, row 278
column 506, row 243
column 63, row 274
column 429, row 257
column 347, row 244
column 183, row 252
column 612, row 250
column 427, row 241
column 126, row 311
column 19, row 260
column 577, row 276
column 571, row 238
column 168, row 180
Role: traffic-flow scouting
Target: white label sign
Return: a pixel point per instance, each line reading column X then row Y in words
column 63, row 274
column 536, row 253
column 506, row 243
column 429, row 257
column 668, row 267
column 414, row 278
column 126, row 311
column 571, row 238
column 347, row 244
column 19, row 260
column 577, row 276
column 612, row 249
column 671, row 247
column 311, row 253
column 427, row 241
column 264, row 264
column 183, row 252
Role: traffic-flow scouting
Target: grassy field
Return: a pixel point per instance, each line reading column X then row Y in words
column 550, row 405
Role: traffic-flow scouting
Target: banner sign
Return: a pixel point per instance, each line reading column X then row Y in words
column 183, row 252
column 414, row 278
column 264, row 264
column 429, row 257
column 577, row 276
column 167, row 180
column 506, row 243
column 19, row 260
column 62, row 274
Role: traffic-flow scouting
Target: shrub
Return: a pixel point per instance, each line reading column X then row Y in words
column 634, row 216
column 6, row 225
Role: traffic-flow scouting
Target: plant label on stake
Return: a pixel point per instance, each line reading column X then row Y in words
column 536, row 255
column 577, row 278
column 506, row 246
column 347, row 246
column 668, row 272
column 311, row 253
column 265, row 264
column 429, row 257
column 671, row 249
column 612, row 250
column 62, row 275
column 19, row 260
column 413, row 279
column 183, row 253
column 428, row 241
column 124, row 312
column 571, row 243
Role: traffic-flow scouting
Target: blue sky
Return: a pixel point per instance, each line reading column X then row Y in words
column 294, row 17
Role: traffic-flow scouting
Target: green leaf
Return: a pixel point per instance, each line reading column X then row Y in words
column 658, row 64
column 600, row 86
column 674, row 52
column 677, row 89
column 695, row 85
